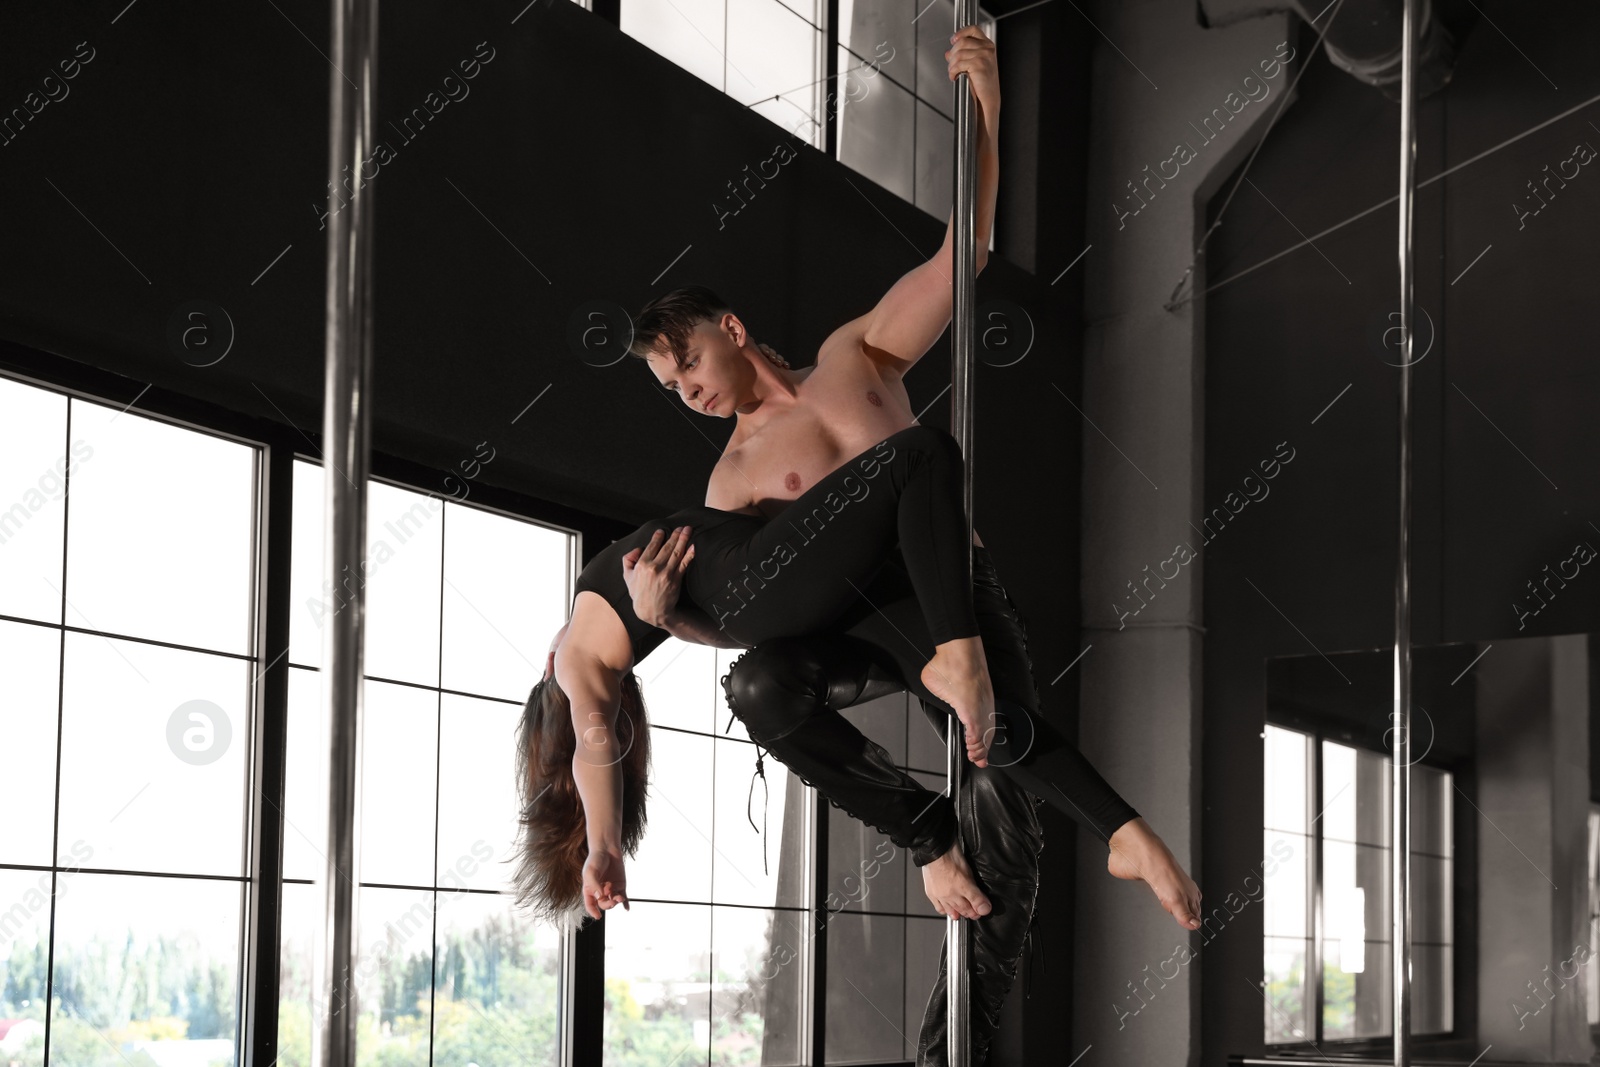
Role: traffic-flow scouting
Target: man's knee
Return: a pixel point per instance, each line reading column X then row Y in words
column 772, row 688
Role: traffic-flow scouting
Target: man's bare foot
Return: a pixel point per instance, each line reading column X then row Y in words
column 951, row 888
column 958, row 674
column 1139, row 854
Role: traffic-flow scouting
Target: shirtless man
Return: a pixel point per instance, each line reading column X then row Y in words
column 793, row 427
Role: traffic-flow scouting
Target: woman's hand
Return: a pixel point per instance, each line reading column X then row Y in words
column 654, row 574
column 972, row 54
column 604, row 883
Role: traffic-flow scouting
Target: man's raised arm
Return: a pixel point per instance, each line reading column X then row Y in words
column 916, row 309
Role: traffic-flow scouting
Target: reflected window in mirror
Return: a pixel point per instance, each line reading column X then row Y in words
column 1327, row 962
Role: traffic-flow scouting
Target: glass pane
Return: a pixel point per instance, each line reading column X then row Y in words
column 865, row 871
column 394, row 966
column 924, row 747
column 505, row 596
column 1432, row 909
column 756, row 998
column 310, row 607
column 876, row 119
column 771, row 51
column 153, row 744
column 30, row 662
column 399, row 739
column 477, row 792
column 35, row 461
column 936, row 165
column 1355, row 795
column 879, row 32
column 810, row 10
column 688, row 32
column 658, row 1001
column 404, row 538
column 674, row 859
column 496, row 1000
column 145, row 965
column 149, row 561
column 866, row 1005
column 1285, row 876
column 936, row 20
column 1287, row 778
column 25, row 958
column 301, row 913
column 1288, row 1001
column 748, row 862
column 305, row 785
column 1356, row 1003
column 681, row 686
column 1355, row 896
column 1431, row 985
column 1432, row 807
column 883, row 720
column 924, row 945
column 394, row 973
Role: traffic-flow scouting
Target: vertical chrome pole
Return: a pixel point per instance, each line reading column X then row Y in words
column 346, row 437
column 963, row 344
column 1400, row 757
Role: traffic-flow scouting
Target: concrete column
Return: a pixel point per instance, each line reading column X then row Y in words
column 1160, row 82
column 1533, row 800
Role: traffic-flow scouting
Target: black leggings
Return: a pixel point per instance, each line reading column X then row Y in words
column 800, row 570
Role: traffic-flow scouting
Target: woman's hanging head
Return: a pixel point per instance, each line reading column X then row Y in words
column 552, row 837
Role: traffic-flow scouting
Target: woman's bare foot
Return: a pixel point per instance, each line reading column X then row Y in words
column 951, row 888
column 1139, row 854
column 958, row 674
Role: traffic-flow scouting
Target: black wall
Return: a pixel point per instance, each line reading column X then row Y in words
column 1504, row 403
column 187, row 162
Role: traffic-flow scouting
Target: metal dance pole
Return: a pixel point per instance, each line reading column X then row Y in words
column 1400, row 760
column 963, row 343
column 346, row 436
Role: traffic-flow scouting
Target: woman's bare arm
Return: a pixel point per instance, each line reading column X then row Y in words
column 595, row 693
column 593, row 656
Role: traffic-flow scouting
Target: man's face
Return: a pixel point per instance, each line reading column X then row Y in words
column 715, row 378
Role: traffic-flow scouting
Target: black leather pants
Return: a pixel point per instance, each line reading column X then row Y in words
column 788, row 692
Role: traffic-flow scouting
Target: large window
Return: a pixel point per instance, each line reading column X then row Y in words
column 461, row 603
column 890, row 96
column 126, row 646
column 130, row 637
column 1329, row 844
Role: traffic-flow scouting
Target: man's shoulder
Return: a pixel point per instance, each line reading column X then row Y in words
column 846, row 339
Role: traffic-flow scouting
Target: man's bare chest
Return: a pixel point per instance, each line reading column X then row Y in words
column 835, row 420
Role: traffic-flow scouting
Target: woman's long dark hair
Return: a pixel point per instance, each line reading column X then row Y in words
column 552, row 838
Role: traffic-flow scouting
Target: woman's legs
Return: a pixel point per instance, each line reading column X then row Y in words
column 798, row 571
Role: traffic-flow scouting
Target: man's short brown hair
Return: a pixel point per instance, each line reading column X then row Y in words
column 668, row 320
